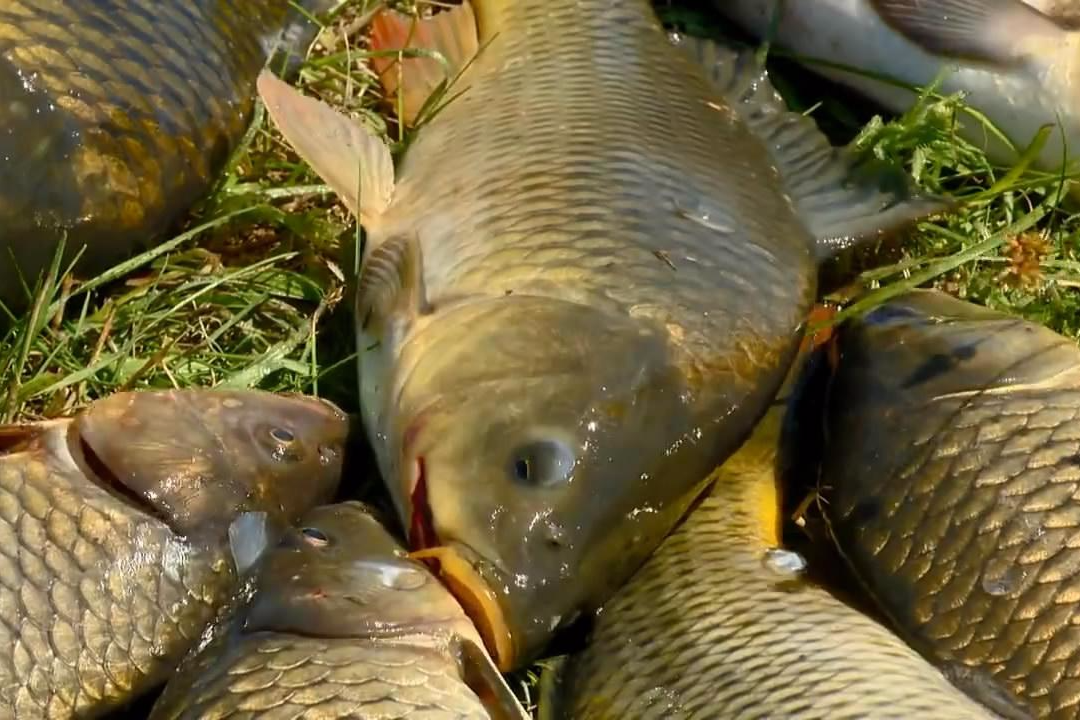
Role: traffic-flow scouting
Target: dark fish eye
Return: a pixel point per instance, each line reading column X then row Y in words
column 282, row 435
column 315, row 536
column 544, row 463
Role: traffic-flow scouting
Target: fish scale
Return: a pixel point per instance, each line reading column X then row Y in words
column 331, row 678
column 706, row 629
column 102, row 592
column 117, row 116
column 82, row 629
column 966, row 535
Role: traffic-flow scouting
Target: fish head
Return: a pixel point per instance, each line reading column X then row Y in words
column 196, row 459
column 340, row 573
column 927, row 344
column 530, row 443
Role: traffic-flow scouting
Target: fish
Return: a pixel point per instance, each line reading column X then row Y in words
column 726, row 620
column 118, row 116
column 581, row 285
column 340, row 623
column 1016, row 63
column 120, row 528
column 950, row 485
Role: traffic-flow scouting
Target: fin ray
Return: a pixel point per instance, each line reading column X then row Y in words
column 843, row 202
column 986, row 31
column 355, row 163
column 452, row 34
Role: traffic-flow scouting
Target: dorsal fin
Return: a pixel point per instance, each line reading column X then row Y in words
column 843, row 202
column 446, row 40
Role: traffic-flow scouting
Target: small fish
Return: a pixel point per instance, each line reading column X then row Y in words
column 116, row 527
column 1017, row 65
column 723, row 622
column 582, row 285
column 116, row 116
column 342, row 624
column 951, row 484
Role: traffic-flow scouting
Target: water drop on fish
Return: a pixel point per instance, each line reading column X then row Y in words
column 786, row 563
column 1002, row 584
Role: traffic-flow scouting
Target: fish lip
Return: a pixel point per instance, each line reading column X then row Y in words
column 96, row 471
column 455, row 566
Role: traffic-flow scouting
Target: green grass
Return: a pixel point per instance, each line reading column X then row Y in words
column 250, row 292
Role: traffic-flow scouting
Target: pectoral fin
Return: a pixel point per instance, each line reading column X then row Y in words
column 484, row 679
column 391, row 284
column 993, row 32
column 842, row 201
column 354, row 162
column 447, row 41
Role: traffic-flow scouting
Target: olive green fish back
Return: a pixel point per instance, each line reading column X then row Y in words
column 582, row 156
column 117, row 116
column 98, row 601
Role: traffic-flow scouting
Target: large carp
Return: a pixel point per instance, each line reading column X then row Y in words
column 581, row 287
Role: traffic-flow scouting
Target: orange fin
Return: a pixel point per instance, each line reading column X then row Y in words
column 452, row 34
column 819, row 327
column 351, row 159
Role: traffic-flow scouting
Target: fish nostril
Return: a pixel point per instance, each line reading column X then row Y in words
column 554, row 535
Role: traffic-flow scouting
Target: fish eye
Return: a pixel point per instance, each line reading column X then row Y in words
column 281, row 435
column 315, row 537
column 545, row 463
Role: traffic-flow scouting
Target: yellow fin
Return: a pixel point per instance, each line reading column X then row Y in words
column 392, row 284
column 452, row 34
column 346, row 155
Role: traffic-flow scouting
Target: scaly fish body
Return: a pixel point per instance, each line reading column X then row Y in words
column 582, row 286
column 1019, row 67
column 341, row 624
column 950, row 483
column 116, row 117
column 113, row 526
column 715, row 624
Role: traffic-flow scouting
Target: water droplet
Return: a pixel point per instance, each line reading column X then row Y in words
column 1006, row 583
column 786, row 563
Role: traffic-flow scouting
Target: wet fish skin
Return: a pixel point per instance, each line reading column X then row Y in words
column 341, row 624
column 715, row 624
column 118, row 115
column 110, row 563
column 1020, row 70
column 572, row 304
column 950, row 484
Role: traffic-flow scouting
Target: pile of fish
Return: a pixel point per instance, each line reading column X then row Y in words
column 585, row 370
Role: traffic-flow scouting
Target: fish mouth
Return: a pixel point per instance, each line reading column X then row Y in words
column 97, row 471
column 455, row 566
